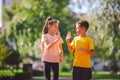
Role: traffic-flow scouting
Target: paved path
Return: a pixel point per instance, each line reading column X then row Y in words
column 60, row 78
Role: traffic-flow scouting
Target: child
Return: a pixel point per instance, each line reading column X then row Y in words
column 51, row 45
column 84, row 48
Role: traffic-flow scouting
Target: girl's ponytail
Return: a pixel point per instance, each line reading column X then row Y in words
column 45, row 28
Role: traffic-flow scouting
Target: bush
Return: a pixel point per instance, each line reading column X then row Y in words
column 6, row 75
column 14, row 75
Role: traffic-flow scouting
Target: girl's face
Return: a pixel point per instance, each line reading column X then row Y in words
column 53, row 28
column 79, row 30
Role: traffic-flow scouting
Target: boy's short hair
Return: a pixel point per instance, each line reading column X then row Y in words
column 83, row 23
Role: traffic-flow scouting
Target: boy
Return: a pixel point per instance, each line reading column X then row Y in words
column 84, row 48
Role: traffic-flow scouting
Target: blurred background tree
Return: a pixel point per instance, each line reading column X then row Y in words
column 8, row 56
column 26, row 20
column 104, row 18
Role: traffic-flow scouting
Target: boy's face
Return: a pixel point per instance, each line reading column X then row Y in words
column 80, row 30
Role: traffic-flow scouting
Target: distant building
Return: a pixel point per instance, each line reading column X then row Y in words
column 3, row 3
column 0, row 15
column 6, row 4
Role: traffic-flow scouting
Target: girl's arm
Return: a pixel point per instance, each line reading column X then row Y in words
column 49, row 45
column 60, row 53
column 41, row 46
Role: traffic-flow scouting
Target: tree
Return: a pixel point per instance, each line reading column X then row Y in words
column 108, row 19
column 13, row 59
column 3, row 54
column 4, row 51
column 105, row 21
column 27, row 19
column 8, row 56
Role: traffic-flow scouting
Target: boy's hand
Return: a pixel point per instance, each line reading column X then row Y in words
column 68, row 35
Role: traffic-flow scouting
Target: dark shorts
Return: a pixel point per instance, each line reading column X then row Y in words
column 82, row 73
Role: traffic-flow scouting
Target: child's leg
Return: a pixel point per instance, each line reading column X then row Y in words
column 47, row 70
column 76, row 73
column 55, row 69
column 88, row 73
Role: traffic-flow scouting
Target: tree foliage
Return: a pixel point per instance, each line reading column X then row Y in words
column 13, row 58
column 27, row 18
column 108, row 21
column 104, row 18
column 4, row 52
column 8, row 56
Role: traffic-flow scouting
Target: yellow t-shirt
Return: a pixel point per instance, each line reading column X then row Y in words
column 82, row 59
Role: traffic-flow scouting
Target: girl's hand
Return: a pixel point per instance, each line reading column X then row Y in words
column 68, row 35
column 61, row 59
column 58, row 33
column 61, row 55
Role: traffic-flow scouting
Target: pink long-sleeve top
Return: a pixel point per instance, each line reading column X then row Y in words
column 51, row 54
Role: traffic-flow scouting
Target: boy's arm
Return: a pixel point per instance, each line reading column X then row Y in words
column 69, row 46
column 68, row 42
column 91, row 52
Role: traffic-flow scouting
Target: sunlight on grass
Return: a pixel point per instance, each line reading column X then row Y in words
column 105, row 75
column 95, row 74
column 67, row 74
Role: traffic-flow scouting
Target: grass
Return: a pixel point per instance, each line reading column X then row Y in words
column 105, row 75
column 65, row 74
column 98, row 74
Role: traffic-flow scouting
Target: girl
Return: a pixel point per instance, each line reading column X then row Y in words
column 51, row 45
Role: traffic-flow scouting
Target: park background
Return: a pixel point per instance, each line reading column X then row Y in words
column 20, row 33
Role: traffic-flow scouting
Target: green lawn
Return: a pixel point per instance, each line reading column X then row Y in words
column 106, row 75
column 67, row 74
column 99, row 75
